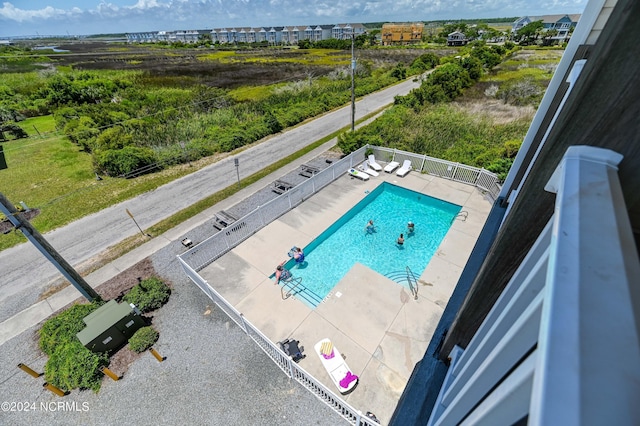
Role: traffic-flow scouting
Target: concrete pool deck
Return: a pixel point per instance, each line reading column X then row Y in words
column 373, row 321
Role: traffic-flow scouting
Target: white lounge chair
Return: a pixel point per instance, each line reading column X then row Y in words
column 358, row 174
column 368, row 170
column 338, row 370
column 391, row 166
column 374, row 164
column 406, row 168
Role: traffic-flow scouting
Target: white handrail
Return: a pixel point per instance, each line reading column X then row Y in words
column 561, row 345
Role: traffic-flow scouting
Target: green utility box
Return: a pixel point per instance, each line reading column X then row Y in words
column 110, row 327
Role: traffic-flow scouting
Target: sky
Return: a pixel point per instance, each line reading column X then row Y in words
column 86, row 17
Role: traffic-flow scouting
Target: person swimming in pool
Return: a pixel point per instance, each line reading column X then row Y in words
column 400, row 240
column 370, row 228
column 410, row 228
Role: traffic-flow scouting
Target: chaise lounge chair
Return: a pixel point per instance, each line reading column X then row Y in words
column 364, row 167
column 292, row 348
column 389, row 168
column 406, row 168
column 358, row 174
column 374, row 164
column 338, row 370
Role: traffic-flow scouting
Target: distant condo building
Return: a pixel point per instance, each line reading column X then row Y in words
column 288, row 35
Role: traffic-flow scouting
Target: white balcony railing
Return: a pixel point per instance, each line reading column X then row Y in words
column 561, row 344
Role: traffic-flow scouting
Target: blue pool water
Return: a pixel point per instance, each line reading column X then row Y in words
column 332, row 254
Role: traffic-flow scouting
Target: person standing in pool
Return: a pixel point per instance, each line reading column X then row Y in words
column 400, row 240
column 298, row 255
column 369, row 229
column 410, row 228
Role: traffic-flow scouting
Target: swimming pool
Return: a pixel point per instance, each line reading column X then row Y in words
column 332, row 254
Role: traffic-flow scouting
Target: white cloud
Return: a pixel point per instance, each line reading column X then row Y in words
column 109, row 16
column 10, row 12
column 146, row 4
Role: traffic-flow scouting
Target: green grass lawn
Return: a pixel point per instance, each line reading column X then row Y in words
column 51, row 173
column 38, row 126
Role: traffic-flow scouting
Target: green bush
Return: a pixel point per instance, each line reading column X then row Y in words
column 149, row 294
column 62, row 328
column 425, row 62
column 351, row 141
column 128, row 161
column 143, row 339
column 521, row 92
column 71, row 366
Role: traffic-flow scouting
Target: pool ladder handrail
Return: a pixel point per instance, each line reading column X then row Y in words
column 413, row 283
column 296, row 280
column 462, row 215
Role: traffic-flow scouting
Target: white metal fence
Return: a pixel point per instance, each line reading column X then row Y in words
column 220, row 243
column 561, row 344
column 282, row 360
column 480, row 178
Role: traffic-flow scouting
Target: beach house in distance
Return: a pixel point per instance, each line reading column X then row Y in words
column 543, row 327
column 563, row 24
column 287, row 35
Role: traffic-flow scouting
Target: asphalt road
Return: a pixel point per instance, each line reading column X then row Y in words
column 25, row 273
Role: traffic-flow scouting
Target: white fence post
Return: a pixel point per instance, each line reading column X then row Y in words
column 290, row 363
column 244, row 326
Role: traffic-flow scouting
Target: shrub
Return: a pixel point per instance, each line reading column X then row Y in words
column 425, row 62
column 149, row 294
column 473, row 66
column 71, row 366
column 272, row 122
column 399, row 72
column 143, row 339
column 128, row 161
column 349, row 142
column 521, row 92
column 62, row 328
column 13, row 129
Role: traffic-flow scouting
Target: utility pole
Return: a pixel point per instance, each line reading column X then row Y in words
column 353, row 81
column 47, row 250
